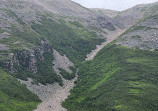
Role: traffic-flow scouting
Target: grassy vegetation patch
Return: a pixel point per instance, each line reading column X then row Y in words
column 130, row 83
column 45, row 73
column 107, row 76
column 134, row 91
column 14, row 96
column 74, row 43
column 145, row 61
column 67, row 75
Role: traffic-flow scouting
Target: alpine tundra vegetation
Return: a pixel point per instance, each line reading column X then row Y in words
column 56, row 55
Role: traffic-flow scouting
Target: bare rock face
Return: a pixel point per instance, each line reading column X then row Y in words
column 25, row 58
column 61, row 62
column 23, row 9
column 105, row 25
column 3, row 47
column 20, row 59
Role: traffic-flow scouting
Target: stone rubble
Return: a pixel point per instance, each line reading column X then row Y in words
column 110, row 37
column 52, row 95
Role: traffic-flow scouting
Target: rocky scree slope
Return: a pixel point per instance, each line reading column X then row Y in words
column 144, row 35
column 142, row 23
column 32, row 31
column 29, row 33
column 130, row 17
column 15, row 96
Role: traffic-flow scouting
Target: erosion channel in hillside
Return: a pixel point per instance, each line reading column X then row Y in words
column 52, row 95
column 110, row 37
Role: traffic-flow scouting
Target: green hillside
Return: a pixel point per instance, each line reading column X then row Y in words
column 118, row 79
column 14, row 96
column 67, row 37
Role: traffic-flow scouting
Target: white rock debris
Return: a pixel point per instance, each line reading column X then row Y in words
column 52, row 95
column 110, row 37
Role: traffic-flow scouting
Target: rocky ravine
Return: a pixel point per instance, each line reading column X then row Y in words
column 110, row 37
column 52, row 95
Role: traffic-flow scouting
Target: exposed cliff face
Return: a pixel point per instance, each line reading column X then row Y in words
column 32, row 63
column 19, row 60
column 61, row 62
column 26, row 59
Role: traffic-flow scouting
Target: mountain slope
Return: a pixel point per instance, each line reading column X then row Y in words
column 143, row 35
column 14, row 96
column 29, row 33
column 44, row 42
column 29, row 36
column 123, row 75
column 130, row 17
column 117, row 79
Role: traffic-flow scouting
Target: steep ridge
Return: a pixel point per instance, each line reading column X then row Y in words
column 65, row 7
column 73, row 10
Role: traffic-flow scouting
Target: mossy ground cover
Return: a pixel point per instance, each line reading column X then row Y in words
column 15, row 96
column 117, row 79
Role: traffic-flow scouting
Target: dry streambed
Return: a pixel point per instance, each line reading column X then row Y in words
column 110, row 37
column 52, row 95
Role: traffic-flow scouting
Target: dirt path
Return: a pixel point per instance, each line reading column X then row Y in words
column 111, row 36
